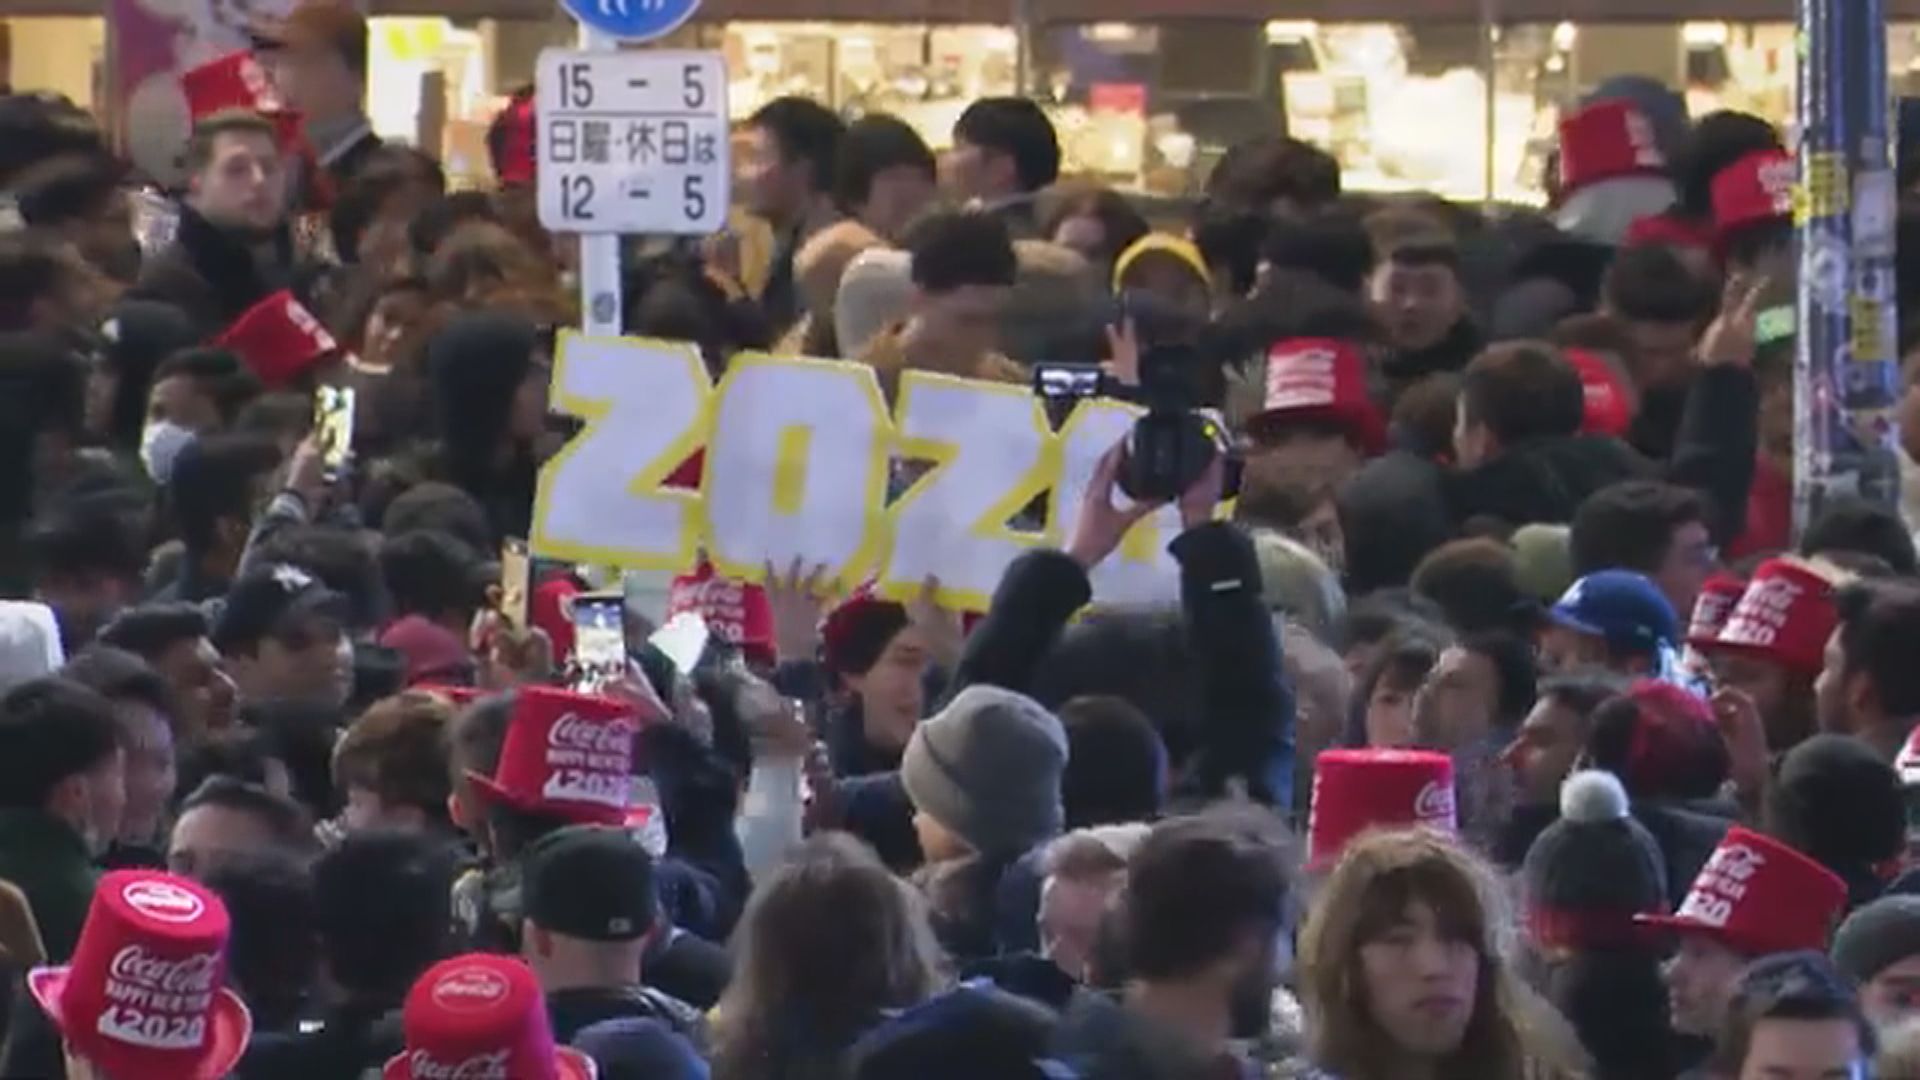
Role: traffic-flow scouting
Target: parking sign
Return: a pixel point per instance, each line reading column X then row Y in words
column 632, row 142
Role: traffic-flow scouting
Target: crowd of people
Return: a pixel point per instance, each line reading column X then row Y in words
column 1502, row 728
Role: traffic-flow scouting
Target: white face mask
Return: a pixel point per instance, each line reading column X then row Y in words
column 160, row 444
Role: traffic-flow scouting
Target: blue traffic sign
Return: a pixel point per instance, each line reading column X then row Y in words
column 632, row 20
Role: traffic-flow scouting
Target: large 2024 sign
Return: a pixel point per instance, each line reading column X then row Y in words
column 797, row 462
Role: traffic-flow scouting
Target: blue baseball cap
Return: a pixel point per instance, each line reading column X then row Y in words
column 1625, row 608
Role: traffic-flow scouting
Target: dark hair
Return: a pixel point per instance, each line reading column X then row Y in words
column 151, row 629
column 1197, row 885
column 1650, row 283
column 1404, row 661
column 476, row 737
column 208, row 130
column 1847, row 523
column 67, row 188
column 430, row 573
column 33, row 266
column 343, row 559
column 83, row 540
column 50, row 729
column 806, row 131
column 1332, row 245
column 958, row 248
column 1255, row 174
column 241, row 756
column 397, row 749
column 220, row 375
column 213, row 479
column 302, row 734
column 1630, row 525
column 119, row 675
column 1422, row 419
column 1141, row 656
column 35, row 127
column 1583, row 691
column 383, row 904
column 439, row 218
column 440, row 507
column 1120, row 221
column 1474, row 583
column 273, row 953
column 283, row 417
column 286, row 820
column 1016, row 127
column 1719, row 139
column 390, row 171
column 1514, row 669
column 1229, row 240
column 1382, row 613
column 870, row 146
column 1786, row 986
column 1879, row 623
column 1521, row 391
column 1115, row 763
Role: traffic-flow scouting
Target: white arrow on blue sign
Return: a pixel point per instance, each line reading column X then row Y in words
column 632, row 20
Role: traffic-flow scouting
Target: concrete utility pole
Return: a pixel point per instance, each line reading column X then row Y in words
column 1846, row 370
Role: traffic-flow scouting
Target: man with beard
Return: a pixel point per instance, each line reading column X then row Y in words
column 1202, row 912
column 233, row 248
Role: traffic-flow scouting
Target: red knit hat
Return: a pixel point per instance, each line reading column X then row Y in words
column 857, row 630
column 278, row 339
column 1609, row 403
column 1605, row 141
column 1758, row 896
column 1357, row 790
column 737, row 612
column 1755, row 189
column 1785, row 617
column 146, row 995
column 481, row 1017
column 566, row 755
column 1322, row 379
column 1712, row 608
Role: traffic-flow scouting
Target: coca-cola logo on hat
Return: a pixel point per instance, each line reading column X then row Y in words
column 576, row 732
column 469, row 989
column 1434, row 804
column 490, row 1066
column 164, row 901
column 181, row 975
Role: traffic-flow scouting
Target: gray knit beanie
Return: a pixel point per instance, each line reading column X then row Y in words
column 988, row 768
column 1876, row 937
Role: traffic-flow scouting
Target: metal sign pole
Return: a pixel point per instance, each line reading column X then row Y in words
column 600, row 291
column 1846, row 372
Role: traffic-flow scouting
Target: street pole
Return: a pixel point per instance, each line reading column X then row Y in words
column 600, row 288
column 1846, row 371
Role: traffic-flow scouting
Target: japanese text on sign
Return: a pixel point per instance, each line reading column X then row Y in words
column 632, row 142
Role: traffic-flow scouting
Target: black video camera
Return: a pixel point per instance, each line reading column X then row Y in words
column 1168, row 448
